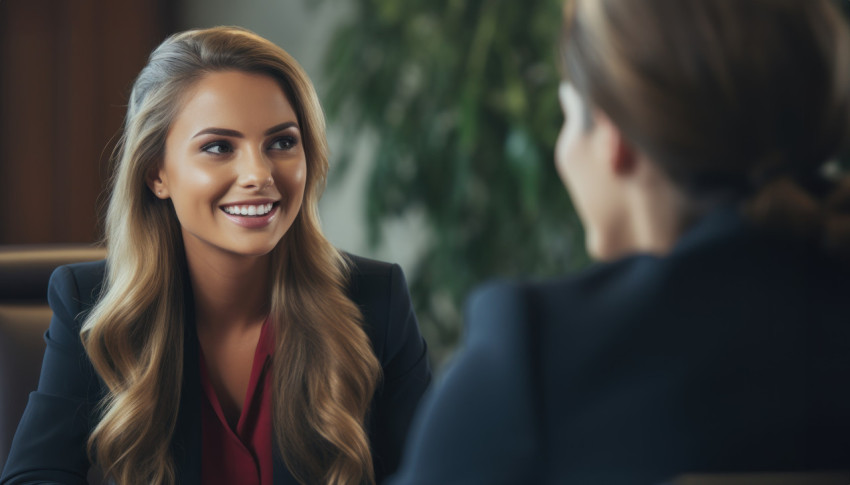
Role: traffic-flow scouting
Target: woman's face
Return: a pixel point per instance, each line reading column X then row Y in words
column 584, row 159
column 234, row 165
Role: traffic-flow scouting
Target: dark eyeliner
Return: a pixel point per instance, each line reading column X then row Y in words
column 289, row 140
column 224, row 147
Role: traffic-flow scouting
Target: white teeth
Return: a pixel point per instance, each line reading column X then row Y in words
column 248, row 210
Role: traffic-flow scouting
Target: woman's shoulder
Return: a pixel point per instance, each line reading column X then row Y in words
column 84, row 275
column 636, row 279
column 84, row 279
column 370, row 279
column 379, row 289
column 74, row 288
column 722, row 270
column 362, row 267
column 499, row 302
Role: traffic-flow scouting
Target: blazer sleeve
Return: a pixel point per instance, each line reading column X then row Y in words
column 50, row 442
column 406, row 376
column 477, row 425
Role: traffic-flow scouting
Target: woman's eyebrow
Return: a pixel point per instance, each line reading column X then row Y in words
column 237, row 134
column 219, row 131
column 281, row 127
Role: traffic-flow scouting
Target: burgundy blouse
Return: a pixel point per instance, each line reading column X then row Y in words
column 243, row 455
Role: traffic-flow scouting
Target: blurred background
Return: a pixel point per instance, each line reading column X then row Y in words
column 442, row 117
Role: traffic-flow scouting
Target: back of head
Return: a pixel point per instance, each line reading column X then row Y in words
column 731, row 98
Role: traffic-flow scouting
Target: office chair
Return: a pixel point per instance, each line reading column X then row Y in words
column 24, row 317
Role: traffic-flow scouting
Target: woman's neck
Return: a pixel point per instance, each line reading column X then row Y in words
column 660, row 212
column 230, row 291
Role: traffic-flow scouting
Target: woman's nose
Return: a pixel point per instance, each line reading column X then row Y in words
column 255, row 170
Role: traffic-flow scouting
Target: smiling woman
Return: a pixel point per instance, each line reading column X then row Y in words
column 233, row 149
column 224, row 340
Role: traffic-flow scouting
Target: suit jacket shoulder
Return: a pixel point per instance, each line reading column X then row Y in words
column 380, row 290
column 76, row 286
column 720, row 356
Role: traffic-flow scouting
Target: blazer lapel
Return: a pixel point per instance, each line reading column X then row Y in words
column 281, row 471
column 186, row 443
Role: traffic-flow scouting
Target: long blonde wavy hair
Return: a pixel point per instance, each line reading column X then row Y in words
column 324, row 369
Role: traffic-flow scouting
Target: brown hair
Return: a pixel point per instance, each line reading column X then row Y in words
column 733, row 99
column 324, row 369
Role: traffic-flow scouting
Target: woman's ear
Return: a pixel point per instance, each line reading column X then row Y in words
column 625, row 156
column 622, row 155
column 158, row 183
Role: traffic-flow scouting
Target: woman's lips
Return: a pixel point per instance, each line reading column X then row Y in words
column 248, row 220
column 248, row 209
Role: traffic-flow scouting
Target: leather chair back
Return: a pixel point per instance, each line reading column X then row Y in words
column 24, row 317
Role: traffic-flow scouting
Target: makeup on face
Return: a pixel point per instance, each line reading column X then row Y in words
column 234, row 166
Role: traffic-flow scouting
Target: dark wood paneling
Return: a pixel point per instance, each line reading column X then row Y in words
column 67, row 67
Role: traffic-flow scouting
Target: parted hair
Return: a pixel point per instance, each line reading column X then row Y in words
column 324, row 369
column 734, row 99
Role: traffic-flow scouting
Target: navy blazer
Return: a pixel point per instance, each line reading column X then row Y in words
column 732, row 353
column 50, row 443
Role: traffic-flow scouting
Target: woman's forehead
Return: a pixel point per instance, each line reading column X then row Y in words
column 235, row 99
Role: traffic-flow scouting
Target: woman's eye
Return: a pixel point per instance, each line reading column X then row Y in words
column 284, row 143
column 217, row 147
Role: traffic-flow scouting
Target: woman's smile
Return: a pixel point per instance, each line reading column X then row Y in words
column 235, row 166
column 251, row 214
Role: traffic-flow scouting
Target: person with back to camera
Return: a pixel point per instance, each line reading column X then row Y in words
column 714, row 335
column 224, row 340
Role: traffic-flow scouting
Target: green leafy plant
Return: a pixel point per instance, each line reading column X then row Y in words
column 461, row 97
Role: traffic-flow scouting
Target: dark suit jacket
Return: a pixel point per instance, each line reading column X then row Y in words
column 50, row 443
column 732, row 353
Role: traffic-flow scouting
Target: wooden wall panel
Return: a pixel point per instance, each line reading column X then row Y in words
column 25, row 149
column 67, row 67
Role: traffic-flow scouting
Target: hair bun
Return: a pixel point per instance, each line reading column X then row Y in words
column 783, row 205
